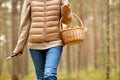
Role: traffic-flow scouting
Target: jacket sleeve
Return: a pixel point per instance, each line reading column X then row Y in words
column 66, row 15
column 24, row 27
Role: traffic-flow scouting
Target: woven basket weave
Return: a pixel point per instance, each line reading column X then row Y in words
column 73, row 35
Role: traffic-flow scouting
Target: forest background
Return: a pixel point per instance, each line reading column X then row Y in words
column 85, row 61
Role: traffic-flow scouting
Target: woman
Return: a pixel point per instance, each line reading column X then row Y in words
column 39, row 27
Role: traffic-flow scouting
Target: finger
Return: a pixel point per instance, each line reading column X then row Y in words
column 68, row 4
column 65, row 7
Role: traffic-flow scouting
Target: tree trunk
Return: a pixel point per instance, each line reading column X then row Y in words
column 1, row 55
column 23, row 60
column 95, row 32
column 68, row 62
column 3, row 31
column 119, row 37
column 15, row 75
column 114, row 35
column 24, row 63
column 108, row 40
column 102, row 32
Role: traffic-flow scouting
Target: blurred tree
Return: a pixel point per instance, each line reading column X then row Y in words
column 23, row 60
column 20, row 64
column 15, row 70
column 95, row 32
column 108, row 39
column 102, row 36
column 3, row 35
column 118, row 28
column 68, row 62
column 113, row 33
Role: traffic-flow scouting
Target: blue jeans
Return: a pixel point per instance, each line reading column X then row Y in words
column 46, row 62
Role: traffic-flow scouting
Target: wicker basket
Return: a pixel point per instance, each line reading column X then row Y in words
column 73, row 35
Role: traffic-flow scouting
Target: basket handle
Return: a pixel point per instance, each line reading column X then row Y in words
column 60, row 24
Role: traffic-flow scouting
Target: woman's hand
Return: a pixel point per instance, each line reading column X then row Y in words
column 66, row 13
column 13, row 55
column 16, row 54
column 66, row 9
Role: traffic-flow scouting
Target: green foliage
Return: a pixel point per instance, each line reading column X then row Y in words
column 88, row 74
column 29, row 77
column 5, row 77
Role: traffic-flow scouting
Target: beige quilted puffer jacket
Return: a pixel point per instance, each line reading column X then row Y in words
column 39, row 25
